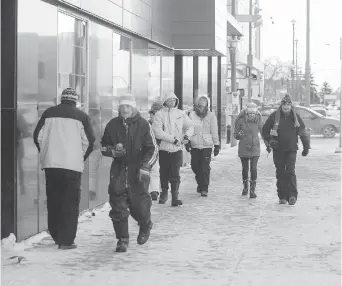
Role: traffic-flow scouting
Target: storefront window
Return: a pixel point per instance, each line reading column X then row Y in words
column 140, row 75
column 36, row 91
column 214, row 84
column 187, row 83
column 202, row 75
column 154, row 91
column 100, row 107
column 168, row 75
column 121, row 68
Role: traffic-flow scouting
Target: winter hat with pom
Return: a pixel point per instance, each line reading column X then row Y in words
column 127, row 99
column 69, row 94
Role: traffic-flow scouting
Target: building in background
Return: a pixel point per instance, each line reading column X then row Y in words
column 102, row 49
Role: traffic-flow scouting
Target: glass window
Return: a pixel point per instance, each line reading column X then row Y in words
column 154, row 91
column 100, row 108
column 202, row 75
column 36, row 91
column 72, row 56
column 140, row 75
column 188, row 83
column 304, row 114
column 121, row 68
column 214, row 84
column 168, row 75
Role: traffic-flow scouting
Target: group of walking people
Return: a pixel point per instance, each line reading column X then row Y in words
column 141, row 149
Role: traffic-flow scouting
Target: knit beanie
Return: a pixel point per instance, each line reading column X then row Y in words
column 286, row 99
column 69, row 94
column 156, row 106
column 127, row 99
column 251, row 108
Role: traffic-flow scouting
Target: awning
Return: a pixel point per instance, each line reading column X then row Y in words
column 233, row 26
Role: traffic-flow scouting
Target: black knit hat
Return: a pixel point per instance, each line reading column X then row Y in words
column 286, row 99
column 69, row 94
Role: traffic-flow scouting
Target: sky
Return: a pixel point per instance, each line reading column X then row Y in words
column 326, row 31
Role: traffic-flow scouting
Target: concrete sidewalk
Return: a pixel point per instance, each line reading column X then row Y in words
column 225, row 239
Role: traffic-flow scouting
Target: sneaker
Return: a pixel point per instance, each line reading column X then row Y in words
column 154, row 195
column 122, row 245
column 282, row 202
column 204, row 193
column 67, row 247
column 144, row 233
column 292, row 200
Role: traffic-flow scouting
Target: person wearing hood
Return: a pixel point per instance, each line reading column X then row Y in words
column 201, row 144
column 155, row 180
column 64, row 138
column 281, row 131
column 130, row 141
column 248, row 125
column 174, row 128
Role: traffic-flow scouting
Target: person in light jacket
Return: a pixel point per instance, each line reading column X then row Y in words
column 247, row 128
column 173, row 127
column 64, row 138
column 201, row 144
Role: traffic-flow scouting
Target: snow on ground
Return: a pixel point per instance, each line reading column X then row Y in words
column 225, row 239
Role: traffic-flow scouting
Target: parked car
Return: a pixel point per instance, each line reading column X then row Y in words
column 319, row 124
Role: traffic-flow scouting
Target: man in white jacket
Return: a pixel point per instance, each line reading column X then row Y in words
column 173, row 127
column 202, row 142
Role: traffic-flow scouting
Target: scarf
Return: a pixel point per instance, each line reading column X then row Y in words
column 199, row 113
column 274, row 131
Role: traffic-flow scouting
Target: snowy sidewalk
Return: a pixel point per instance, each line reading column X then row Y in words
column 225, row 239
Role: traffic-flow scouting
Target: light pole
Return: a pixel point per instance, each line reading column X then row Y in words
column 339, row 148
column 307, row 63
column 293, row 52
column 250, row 55
column 296, row 75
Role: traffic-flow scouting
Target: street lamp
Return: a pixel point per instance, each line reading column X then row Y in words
column 293, row 53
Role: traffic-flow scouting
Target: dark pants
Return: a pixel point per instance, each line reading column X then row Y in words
column 200, row 165
column 253, row 167
column 134, row 200
column 169, row 167
column 285, row 163
column 63, row 191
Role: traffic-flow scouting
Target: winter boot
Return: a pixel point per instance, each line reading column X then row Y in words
column 292, row 200
column 199, row 191
column 122, row 245
column 204, row 193
column 144, row 232
column 154, row 195
column 282, row 201
column 174, row 192
column 252, row 194
column 163, row 197
column 245, row 187
column 67, row 247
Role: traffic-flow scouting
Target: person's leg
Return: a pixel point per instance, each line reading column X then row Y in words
column 291, row 178
column 70, row 208
column 176, row 162
column 54, row 192
column 205, row 170
column 164, row 172
column 195, row 166
column 245, row 170
column 154, row 182
column 279, row 163
column 254, row 175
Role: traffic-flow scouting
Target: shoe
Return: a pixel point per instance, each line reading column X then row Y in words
column 174, row 192
column 292, row 200
column 67, row 247
column 199, row 191
column 204, row 193
column 282, row 201
column 245, row 188
column 144, row 233
column 252, row 194
column 154, row 195
column 122, row 245
column 163, row 197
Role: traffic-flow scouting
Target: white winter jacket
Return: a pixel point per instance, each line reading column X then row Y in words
column 171, row 123
column 205, row 129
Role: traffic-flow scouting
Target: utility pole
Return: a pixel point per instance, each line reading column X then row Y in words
column 250, row 55
column 293, row 54
column 339, row 148
column 296, row 71
column 307, row 64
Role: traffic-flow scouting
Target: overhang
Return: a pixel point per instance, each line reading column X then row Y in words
column 233, row 26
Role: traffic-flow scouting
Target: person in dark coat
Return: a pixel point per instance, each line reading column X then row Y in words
column 64, row 138
column 130, row 141
column 247, row 127
column 281, row 131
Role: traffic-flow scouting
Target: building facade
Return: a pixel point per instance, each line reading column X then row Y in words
column 103, row 49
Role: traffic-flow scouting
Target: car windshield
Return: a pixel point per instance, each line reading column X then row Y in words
column 314, row 112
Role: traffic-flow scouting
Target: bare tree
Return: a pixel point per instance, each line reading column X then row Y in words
column 276, row 69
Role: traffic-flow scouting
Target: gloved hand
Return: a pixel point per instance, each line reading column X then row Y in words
column 188, row 147
column 268, row 149
column 144, row 175
column 118, row 153
column 176, row 142
column 216, row 150
column 274, row 144
column 238, row 136
column 185, row 140
column 305, row 152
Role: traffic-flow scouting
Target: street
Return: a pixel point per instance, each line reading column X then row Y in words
column 225, row 239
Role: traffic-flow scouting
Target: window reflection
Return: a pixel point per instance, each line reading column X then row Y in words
column 154, row 91
column 168, row 76
column 187, row 83
column 202, row 75
column 214, row 84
